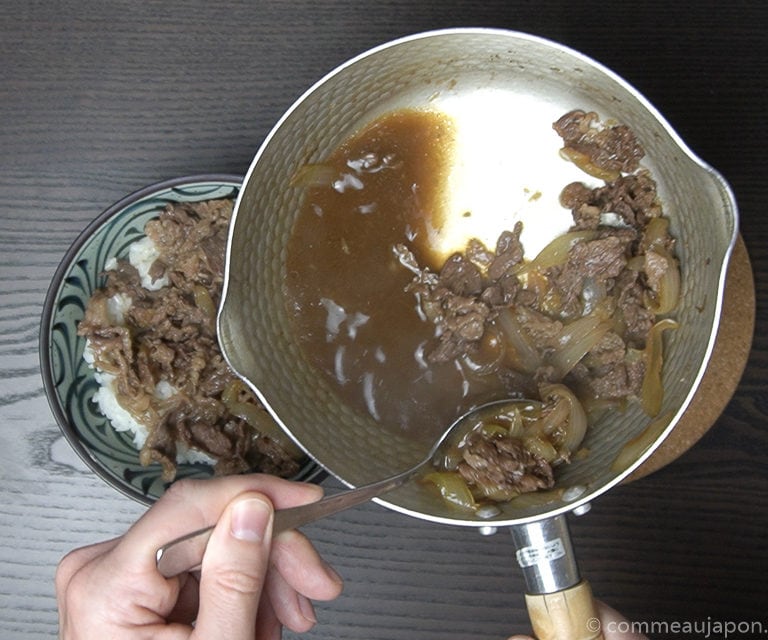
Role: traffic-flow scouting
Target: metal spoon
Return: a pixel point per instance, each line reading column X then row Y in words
column 186, row 553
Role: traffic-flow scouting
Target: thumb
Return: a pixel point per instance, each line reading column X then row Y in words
column 234, row 568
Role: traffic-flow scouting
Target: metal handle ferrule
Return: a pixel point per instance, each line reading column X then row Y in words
column 545, row 555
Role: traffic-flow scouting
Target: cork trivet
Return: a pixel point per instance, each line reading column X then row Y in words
column 729, row 357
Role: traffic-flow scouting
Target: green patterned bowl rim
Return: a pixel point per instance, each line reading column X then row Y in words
column 68, row 381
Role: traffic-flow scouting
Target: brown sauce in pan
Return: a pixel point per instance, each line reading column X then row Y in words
column 345, row 286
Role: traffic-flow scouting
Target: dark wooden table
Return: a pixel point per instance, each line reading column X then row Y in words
column 100, row 97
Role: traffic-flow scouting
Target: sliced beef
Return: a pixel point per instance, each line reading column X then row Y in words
column 604, row 283
column 460, row 276
column 502, row 466
column 542, row 330
column 601, row 260
column 461, row 300
column 612, row 148
column 634, row 315
column 610, row 371
column 633, row 198
column 170, row 335
column 509, row 253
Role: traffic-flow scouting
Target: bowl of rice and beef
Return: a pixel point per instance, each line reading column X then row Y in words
column 129, row 352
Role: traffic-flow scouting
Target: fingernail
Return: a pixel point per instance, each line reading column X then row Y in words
column 250, row 519
column 307, row 610
column 332, row 573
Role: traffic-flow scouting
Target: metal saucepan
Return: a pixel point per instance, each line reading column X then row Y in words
column 535, row 81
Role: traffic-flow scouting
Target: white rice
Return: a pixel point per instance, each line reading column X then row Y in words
column 141, row 255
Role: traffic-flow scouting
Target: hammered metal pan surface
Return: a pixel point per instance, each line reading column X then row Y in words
column 536, row 81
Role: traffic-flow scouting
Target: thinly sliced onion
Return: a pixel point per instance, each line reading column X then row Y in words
column 498, row 493
column 556, row 252
column 577, row 339
column 513, row 418
column 656, row 234
column 515, row 422
column 667, row 288
column 521, row 354
column 652, row 391
column 555, row 414
column 449, row 458
column 583, row 162
column 232, row 390
column 656, row 246
column 203, row 301
column 536, row 498
column 493, row 429
column 541, row 447
column 452, row 488
column 575, row 426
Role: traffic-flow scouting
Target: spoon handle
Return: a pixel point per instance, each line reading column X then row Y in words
column 186, row 553
column 304, row 514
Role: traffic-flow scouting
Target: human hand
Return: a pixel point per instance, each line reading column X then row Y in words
column 613, row 625
column 251, row 584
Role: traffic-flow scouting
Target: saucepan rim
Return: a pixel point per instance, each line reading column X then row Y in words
column 721, row 185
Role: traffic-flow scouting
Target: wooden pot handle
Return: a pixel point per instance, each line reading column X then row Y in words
column 565, row 615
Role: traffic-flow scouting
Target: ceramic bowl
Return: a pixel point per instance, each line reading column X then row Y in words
column 69, row 382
